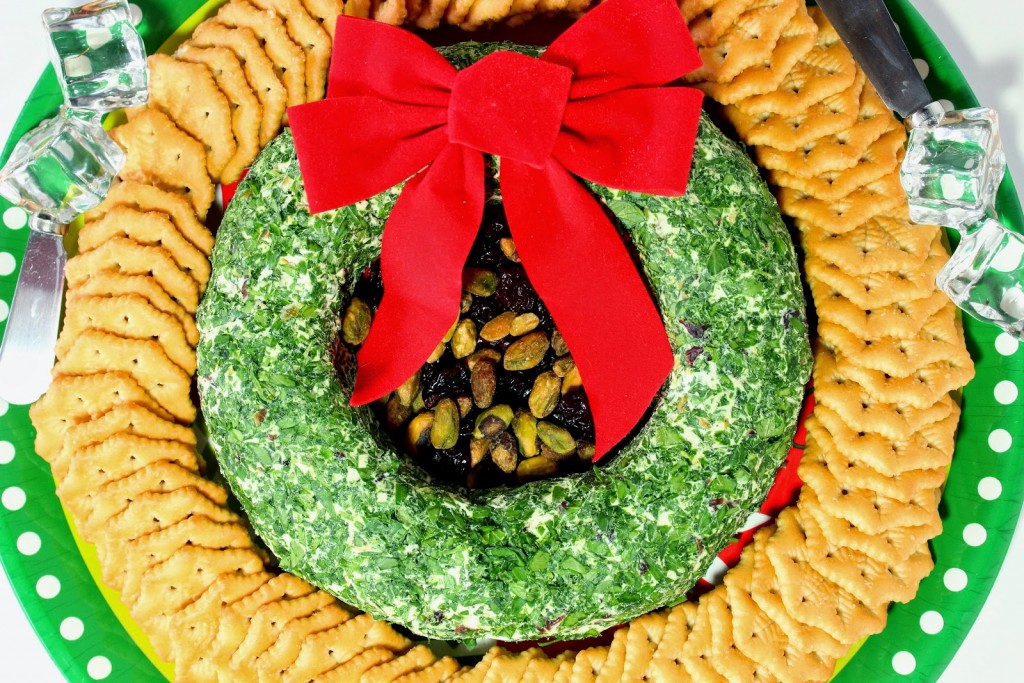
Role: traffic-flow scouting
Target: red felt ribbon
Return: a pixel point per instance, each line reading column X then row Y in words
column 592, row 106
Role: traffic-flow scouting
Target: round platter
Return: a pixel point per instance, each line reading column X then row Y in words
column 91, row 637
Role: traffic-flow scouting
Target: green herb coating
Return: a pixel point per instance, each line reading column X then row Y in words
column 331, row 496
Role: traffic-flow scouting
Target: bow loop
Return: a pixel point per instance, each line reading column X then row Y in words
column 509, row 105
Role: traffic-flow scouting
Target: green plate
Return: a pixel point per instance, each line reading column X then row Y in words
column 90, row 636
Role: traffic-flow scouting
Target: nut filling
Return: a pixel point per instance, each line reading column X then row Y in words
column 500, row 400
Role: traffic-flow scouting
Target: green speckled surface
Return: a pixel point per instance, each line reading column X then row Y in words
column 341, row 507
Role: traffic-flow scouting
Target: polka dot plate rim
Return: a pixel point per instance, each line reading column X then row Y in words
column 55, row 575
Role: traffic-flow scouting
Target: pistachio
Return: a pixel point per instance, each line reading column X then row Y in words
column 572, row 381
column 526, row 352
column 396, row 413
column 527, row 322
column 417, row 434
column 535, row 468
column 558, row 344
column 563, row 365
column 483, row 382
column 492, row 422
column 545, row 394
column 356, row 323
column 451, row 332
column 410, row 387
column 417, row 403
column 556, row 438
column 497, row 327
column 478, row 450
column 444, row 433
column 466, row 303
column 482, row 354
column 508, row 248
column 465, row 405
column 480, row 281
column 546, row 453
column 503, row 453
column 464, row 341
column 524, row 426
column 437, row 353
column 585, row 450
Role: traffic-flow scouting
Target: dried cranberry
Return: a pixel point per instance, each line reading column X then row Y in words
column 693, row 353
column 483, row 309
column 370, row 287
column 450, row 464
column 696, row 331
column 515, row 292
column 514, row 388
column 573, row 412
column 441, row 379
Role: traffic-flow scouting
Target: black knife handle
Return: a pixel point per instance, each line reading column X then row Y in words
column 869, row 31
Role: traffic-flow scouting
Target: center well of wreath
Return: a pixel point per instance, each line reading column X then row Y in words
column 500, row 401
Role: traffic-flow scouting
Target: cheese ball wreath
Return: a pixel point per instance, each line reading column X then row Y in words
column 341, row 507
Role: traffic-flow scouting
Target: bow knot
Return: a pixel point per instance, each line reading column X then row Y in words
column 509, row 105
column 593, row 106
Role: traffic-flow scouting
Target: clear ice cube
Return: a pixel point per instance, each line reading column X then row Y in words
column 985, row 274
column 63, row 167
column 99, row 57
column 953, row 167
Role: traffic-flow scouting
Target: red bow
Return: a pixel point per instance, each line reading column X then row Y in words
column 591, row 106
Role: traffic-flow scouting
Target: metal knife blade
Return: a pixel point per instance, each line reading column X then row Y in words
column 26, row 356
column 868, row 30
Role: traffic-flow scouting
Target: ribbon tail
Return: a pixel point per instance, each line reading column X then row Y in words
column 582, row 270
column 421, row 265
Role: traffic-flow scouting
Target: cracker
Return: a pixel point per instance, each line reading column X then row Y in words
column 288, row 59
column 890, row 355
column 642, row 637
column 259, row 71
column 284, row 651
column 458, row 9
column 113, row 285
column 344, row 645
column 750, row 41
column 70, row 401
column 416, row 658
column 431, row 15
column 190, row 97
column 486, row 12
column 128, row 316
column 875, row 290
column 95, row 352
column 795, row 41
column 154, row 511
column 413, row 8
column 146, row 197
column 354, row 668
column 308, row 35
column 715, row 19
column 903, row 319
column 326, row 12
column 122, row 256
column 161, row 154
column 269, row 621
column 879, row 244
column 389, row 11
column 864, row 203
column 444, row 668
column 246, row 110
column 362, row 9
column 921, row 389
column 149, row 229
column 709, row 654
column 134, row 419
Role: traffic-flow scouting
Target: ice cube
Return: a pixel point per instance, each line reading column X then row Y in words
column 953, row 167
column 63, row 167
column 98, row 55
column 985, row 274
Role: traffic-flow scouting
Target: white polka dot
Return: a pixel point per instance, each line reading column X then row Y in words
column 136, row 13
column 72, row 628
column 974, row 534
column 29, row 543
column 7, row 263
column 955, row 579
column 1000, row 440
column 990, row 488
column 6, row 452
column 904, row 663
column 1006, row 345
column 13, row 498
column 48, row 587
column 922, row 67
column 1006, row 392
column 931, row 622
column 98, row 668
column 15, row 218
column 947, row 105
column 4, row 405
column 4, row 310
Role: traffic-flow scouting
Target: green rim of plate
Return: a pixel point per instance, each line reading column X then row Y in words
column 982, row 500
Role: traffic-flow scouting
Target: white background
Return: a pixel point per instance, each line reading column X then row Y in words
column 985, row 38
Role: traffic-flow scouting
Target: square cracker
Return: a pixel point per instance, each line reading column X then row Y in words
column 288, row 58
column 146, row 197
column 122, row 256
column 149, row 228
column 409, row 662
column 246, row 110
column 259, row 70
column 154, row 511
column 879, row 244
column 161, row 154
column 344, row 644
column 285, row 650
column 189, row 95
column 269, row 620
column 96, row 352
column 307, row 33
column 326, row 12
